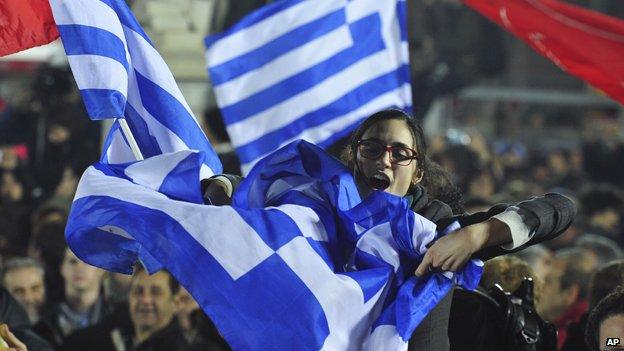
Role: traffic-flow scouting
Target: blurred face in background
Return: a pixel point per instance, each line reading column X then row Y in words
column 553, row 304
column 185, row 305
column 78, row 275
column 27, row 286
column 151, row 301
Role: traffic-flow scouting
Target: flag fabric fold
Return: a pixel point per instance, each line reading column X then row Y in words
column 25, row 24
column 121, row 75
column 308, row 70
column 584, row 43
column 298, row 261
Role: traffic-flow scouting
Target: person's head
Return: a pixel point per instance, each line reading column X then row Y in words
column 79, row 276
column 509, row 272
column 152, row 300
column 605, row 281
column 606, row 321
column 538, row 257
column 387, row 152
column 604, row 249
column 603, row 205
column 185, row 306
column 23, row 278
column 567, row 281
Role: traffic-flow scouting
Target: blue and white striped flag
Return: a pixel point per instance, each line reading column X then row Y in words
column 311, row 70
column 121, row 75
column 298, row 262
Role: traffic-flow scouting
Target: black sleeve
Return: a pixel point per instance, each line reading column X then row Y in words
column 546, row 216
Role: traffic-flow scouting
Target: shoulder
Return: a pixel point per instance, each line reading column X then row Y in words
column 432, row 209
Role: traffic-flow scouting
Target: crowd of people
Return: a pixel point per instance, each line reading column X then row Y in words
column 54, row 301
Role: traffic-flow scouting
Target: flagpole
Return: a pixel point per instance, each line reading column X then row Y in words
column 128, row 134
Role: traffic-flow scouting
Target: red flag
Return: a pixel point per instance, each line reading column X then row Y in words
column 25, row 24
column 584, row 43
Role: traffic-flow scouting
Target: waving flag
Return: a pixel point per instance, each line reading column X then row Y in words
column 308, row 70
column 298, row 262
column 121, row 75
column 25, row 24
column 584, row 43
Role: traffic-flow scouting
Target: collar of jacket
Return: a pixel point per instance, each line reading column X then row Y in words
column 417, row 198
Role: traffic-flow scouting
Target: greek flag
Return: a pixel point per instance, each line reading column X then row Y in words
column 298, row 262
column 121, row 75
column 308, row 70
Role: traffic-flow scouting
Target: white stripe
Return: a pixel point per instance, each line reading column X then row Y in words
column 151, row 65
column 306, row 219
column 285, row 66
column 167, row 140
column 118, row 151
column 116, row 230
column 378, row 241
column 265, row 31
column 93, row 13
column 423, row 232
column 99, row 72
column 233, row 243
column 310, row 100
column 326, row 130
column 384, row 337
column 153, row 171
column 348, row 317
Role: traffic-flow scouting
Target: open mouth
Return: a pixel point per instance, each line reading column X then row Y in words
column 379, row 181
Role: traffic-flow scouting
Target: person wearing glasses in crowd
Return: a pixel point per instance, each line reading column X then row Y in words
column 387, row 152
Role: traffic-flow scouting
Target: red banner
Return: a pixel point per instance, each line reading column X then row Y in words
column 25, row 24
column 584, row 43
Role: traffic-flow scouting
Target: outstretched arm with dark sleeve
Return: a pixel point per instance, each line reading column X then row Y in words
column 545, row 217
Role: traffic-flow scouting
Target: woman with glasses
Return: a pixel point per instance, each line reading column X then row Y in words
column 388, row 153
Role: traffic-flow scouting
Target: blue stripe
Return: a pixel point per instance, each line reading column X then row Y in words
column 257, row 58
column 253, row 18
column 367, row 40
column 103, row 103
column 126, row 17
column 401, row 9
column 269, row 325
column 182, row 182
column 172, row 114
column 148, row 145
column 85, row 40
column 274, row 227
column 350, row 101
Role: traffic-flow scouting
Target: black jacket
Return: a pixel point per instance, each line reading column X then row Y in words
column 12, row 313
column 116, row 332
column 546, row 216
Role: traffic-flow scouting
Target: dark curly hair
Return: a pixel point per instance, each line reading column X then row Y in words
column 435, row 179
column 611, row 305
column 348, row 156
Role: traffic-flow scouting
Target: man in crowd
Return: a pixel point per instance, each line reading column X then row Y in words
column 606, row 280
column 23, row 278
column 151, row 324
column 83, row 304
column 565, row 295
column 605, row 327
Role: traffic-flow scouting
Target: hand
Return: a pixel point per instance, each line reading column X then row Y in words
column 452, row 251
column 13, row 342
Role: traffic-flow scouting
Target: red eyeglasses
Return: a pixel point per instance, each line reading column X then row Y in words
column 373, row 149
